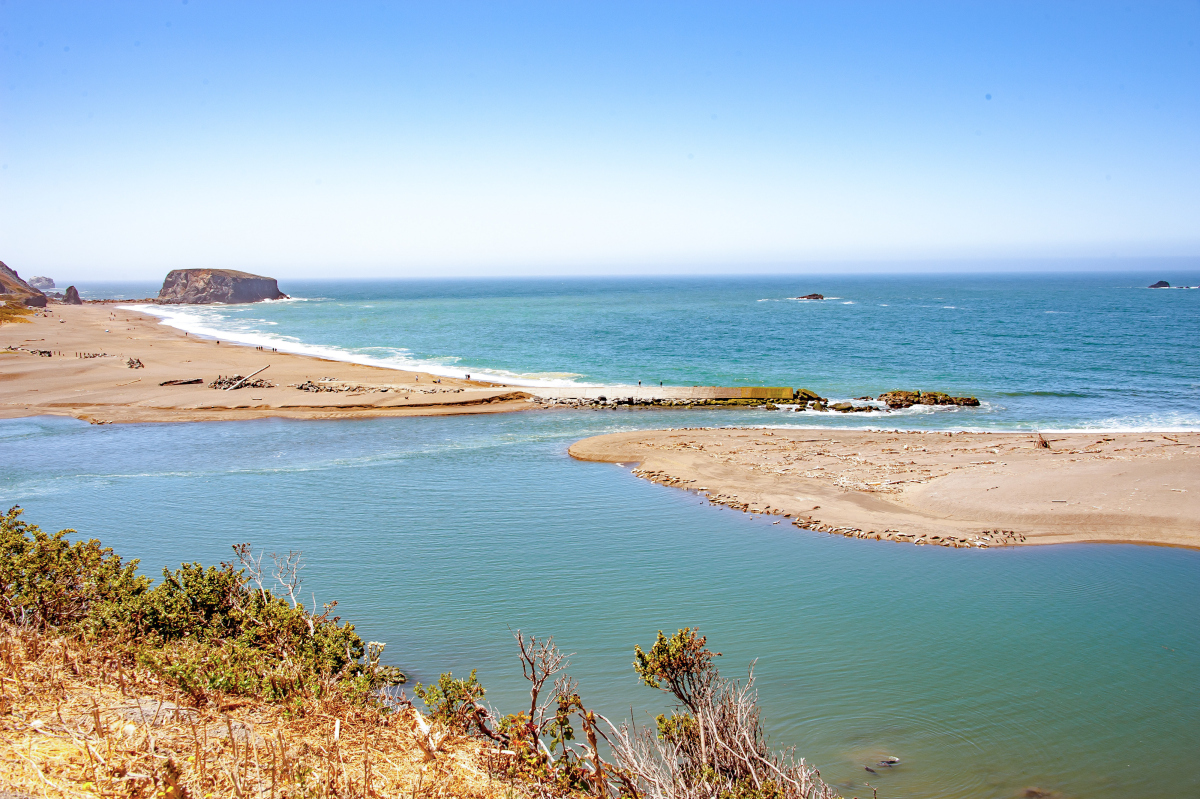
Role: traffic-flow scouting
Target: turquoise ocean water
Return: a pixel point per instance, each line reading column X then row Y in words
column 1073, row 669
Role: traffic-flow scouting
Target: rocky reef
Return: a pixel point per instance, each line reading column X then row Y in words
column 14, row 289
column 204, row 286
column 907, row 399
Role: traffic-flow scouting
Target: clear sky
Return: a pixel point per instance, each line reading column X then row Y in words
column 430, row 138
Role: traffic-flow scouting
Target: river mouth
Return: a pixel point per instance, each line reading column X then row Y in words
column 1068, row 669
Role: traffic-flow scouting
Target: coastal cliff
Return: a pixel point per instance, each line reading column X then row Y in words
column 203, row 286
column 14, row 289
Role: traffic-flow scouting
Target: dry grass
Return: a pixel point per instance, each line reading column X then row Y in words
column 79, row 721
column 14, row 312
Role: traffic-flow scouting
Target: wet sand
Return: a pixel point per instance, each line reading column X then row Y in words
column 105, row 389
column 959, row 489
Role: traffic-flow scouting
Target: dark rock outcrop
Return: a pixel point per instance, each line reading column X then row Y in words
column 202, row 286
column 72, row 297
column 14, row 289
column 809, row 297
column 1162, row 284
column 907, row 399
column 41, row 283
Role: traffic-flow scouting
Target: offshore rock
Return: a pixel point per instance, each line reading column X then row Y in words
column 41, row 283
column 809, row 297
column 1162, row 284
column 14, row 289
column 907, row 399
column 72, row 297
column 203, row 286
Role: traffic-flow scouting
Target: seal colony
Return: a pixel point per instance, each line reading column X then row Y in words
column 977, row 490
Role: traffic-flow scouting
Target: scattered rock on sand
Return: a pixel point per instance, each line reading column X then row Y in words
column 203, row 286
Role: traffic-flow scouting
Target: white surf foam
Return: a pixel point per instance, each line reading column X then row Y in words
column 198, row 321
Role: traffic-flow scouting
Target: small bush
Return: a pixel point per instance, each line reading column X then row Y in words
column 47, row 582
column 207, row 629
column 451, row 701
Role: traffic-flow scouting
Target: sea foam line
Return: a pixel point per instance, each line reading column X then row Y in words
column 196, row 324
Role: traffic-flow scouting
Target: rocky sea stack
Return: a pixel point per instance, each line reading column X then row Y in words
column 1162, row 284
column 72, row 296
column 41, row 283
column 14, row 289
column 202, row 286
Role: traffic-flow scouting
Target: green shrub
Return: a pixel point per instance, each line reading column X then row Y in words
column 208, row 629
column 451, row 701
column 47, row 582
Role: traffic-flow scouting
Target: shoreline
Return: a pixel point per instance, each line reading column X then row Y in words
column 87, row 375
column 175, row 321
column 954, row 489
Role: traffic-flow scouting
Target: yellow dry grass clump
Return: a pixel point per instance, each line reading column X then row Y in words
column 78, row 721
column 14, row 312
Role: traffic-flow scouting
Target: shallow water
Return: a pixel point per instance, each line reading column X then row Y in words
column 1071, row 668
column 1097, row 351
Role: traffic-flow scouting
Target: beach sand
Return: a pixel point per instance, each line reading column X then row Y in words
column 951, row 489
column 105, row 389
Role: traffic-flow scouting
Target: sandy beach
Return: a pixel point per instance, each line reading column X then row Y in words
column 949, row 489
column 87, row 375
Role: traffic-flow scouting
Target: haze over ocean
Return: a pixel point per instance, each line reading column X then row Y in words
column 482, row 138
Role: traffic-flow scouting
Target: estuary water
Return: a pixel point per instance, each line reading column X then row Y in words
column 1073, row 669
column 988, row 672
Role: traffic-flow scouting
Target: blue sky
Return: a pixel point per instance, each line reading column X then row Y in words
column 431, row 138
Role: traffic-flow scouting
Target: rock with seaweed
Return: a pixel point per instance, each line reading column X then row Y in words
column 907, row 399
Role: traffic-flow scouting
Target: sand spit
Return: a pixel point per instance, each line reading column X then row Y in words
column 951, row 489
column 99, row 363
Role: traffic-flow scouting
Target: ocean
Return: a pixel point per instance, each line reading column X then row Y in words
column 1070, row 669
column 1069, row 351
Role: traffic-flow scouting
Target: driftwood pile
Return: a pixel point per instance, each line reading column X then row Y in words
column 237, row 381
column 340, row 388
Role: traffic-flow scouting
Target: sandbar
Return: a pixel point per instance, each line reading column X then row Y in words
column 977, row 490
column 87, row 375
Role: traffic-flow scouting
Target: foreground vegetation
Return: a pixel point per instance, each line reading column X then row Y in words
column 219, row 681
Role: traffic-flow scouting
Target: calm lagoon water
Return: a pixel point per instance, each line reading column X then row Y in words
column 1074, row 668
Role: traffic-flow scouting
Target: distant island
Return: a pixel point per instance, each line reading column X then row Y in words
column 206, row 286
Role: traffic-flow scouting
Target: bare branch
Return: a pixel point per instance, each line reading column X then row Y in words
column 287, row 574
column 540, row 660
